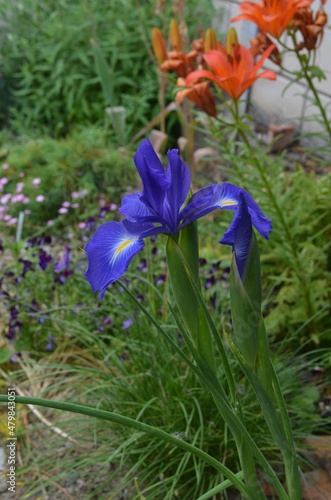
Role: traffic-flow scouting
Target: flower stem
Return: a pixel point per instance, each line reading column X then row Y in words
column 304, row 63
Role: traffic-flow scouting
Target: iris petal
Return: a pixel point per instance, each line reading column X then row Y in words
column 180, row 180
column 179, row 177
column 111, row 250
column 204, row 201
column 153, row 177
column 239, row 235
column 259, row 220
column 225, row 196
column 133, row 208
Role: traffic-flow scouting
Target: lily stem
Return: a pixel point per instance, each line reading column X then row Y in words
column 304, row 63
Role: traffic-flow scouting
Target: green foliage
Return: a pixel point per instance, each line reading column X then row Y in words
column 48, row 61
column 48, row 66
column 295, row 261
column 97, row 360
column 85, row 161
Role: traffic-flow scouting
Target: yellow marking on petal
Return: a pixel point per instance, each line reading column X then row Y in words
column 224, row 203
column 123, row 245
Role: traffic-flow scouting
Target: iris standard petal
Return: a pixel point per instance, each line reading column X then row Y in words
column 133, row 208
column 239, row 235
column 153, row 177
column 110, row 251
column 179, row 177
column 180, row 180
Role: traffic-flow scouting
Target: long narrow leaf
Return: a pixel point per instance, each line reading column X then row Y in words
column 129, row 422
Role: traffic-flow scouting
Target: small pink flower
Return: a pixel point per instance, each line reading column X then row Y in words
column 21, row 174
column 36, row 181
column 75, row 205
column 50, row 223
column 63, row 210
column 40, row 198
column 5, row 166
column 81, row 225
column 17, row 198
column 66, row 204
column 19, row 187
column 27, row 212
column 113, row 207
column 3, row 181
column 26, row 200
column 6, row 217
column 74, row 194
column 5, row 198
column 12, row 221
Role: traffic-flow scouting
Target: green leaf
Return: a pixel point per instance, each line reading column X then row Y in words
column 140, row 426
column 104, row 73
column 184, row 295
column 316, row 72
column 5, row 354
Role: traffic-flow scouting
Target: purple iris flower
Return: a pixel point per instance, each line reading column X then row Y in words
column 158, row 209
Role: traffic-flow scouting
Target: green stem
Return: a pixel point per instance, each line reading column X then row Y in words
column 304, row 65
column 140, row 426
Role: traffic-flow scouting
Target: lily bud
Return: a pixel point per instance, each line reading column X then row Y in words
column 210, row 42
column 175, row 37
column 159, row 46
column 231, row 43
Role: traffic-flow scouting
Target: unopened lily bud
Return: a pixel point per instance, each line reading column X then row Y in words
column 159, row 46
column 174, row 34
column 231, row 42
column 210, row 40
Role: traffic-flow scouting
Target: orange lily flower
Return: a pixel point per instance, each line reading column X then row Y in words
column 232, row 68
column 199, row 93
column 271, row 16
